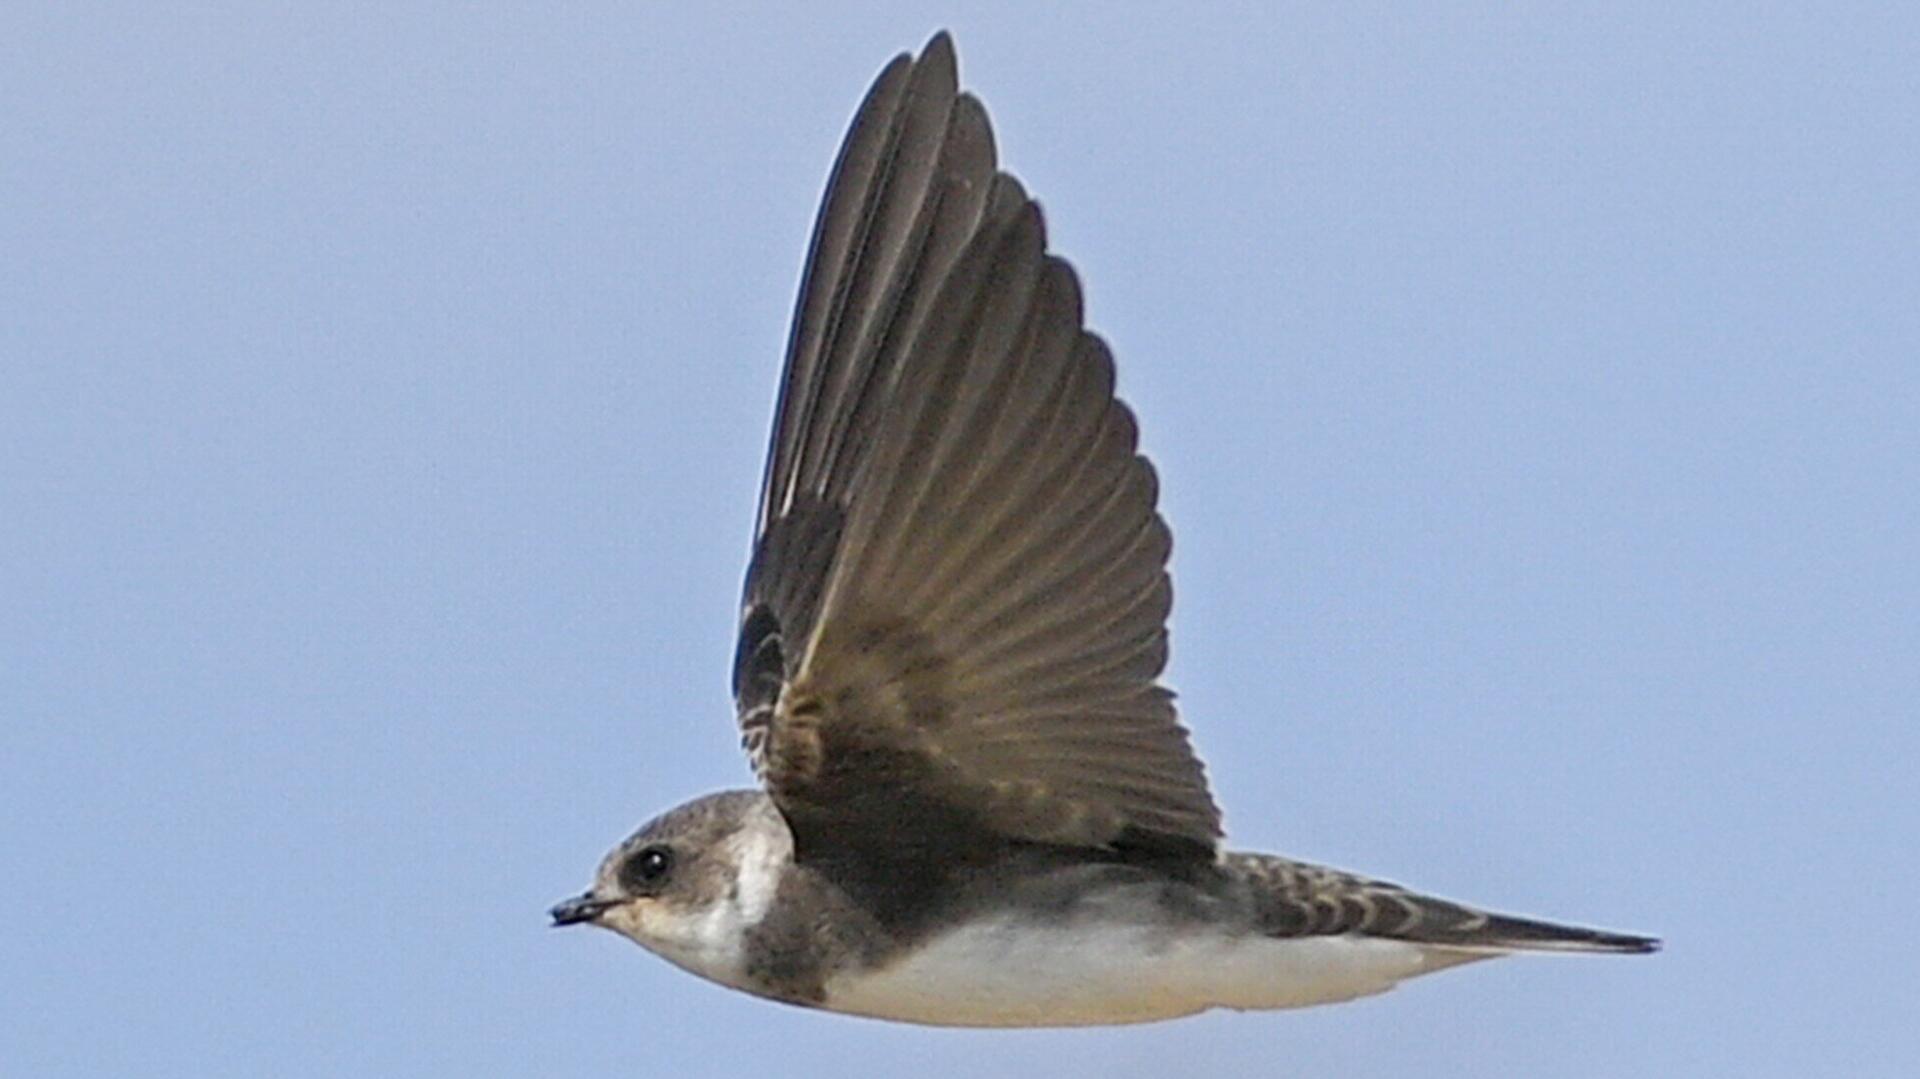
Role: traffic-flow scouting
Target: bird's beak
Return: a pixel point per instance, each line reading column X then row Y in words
column 585, row 907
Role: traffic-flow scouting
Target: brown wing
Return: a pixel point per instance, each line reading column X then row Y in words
column 955, row 616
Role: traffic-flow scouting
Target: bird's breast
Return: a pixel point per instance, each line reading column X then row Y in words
column 1006, row 972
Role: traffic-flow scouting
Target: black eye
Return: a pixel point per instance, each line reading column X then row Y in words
column 646, row 869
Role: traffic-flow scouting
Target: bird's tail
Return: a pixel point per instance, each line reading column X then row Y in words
column 1300, row 899
column 1504, row 932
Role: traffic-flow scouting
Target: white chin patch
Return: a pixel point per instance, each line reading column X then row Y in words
column 709, row 938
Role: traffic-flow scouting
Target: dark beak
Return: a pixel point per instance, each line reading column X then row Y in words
column 581, row 908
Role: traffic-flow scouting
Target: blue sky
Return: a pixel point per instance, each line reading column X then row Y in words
column 383, row 392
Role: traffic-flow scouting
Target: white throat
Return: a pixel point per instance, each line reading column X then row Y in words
column 710, row 939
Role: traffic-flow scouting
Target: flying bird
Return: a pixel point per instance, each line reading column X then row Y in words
column 976, row 804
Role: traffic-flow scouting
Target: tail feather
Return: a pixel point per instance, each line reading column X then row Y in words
column 1508, row 933
column 1297, row 899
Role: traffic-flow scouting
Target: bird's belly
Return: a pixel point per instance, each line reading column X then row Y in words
column 1002, row 974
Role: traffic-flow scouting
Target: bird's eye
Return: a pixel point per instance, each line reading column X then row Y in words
column 646, row 869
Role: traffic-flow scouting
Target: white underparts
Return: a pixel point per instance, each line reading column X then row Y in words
column 1009, row 974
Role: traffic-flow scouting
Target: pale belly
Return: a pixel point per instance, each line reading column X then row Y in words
column 1006, row 975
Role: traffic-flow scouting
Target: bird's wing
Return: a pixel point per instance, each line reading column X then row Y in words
column 955, row 615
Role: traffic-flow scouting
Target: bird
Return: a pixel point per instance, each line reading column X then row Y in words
column 976, row 804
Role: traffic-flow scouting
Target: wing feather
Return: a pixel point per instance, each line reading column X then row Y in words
column 955, row 618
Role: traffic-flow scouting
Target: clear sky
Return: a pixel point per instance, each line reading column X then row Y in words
column 383, row 392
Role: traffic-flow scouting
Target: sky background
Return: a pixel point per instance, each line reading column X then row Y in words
column 383, row 391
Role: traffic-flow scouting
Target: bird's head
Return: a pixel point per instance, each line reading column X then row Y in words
column 691, row 882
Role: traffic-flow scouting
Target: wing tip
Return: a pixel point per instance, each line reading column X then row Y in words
column 939, row 46
column 937, row 60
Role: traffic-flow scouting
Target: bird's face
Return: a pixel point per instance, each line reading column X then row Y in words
column 691, row 882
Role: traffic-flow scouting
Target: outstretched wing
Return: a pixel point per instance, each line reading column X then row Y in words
column 955, row 615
